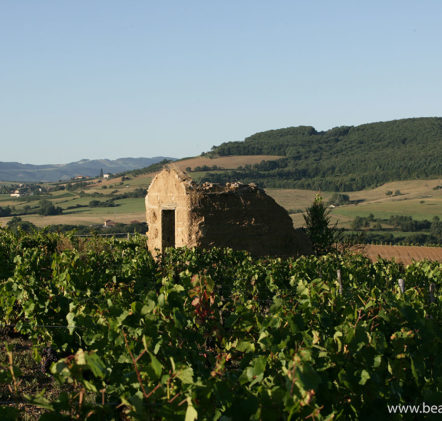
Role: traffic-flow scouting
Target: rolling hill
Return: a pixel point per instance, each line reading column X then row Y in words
column 14, row 171
column 344, row 158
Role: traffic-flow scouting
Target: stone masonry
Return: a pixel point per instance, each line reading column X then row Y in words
column 180, row 212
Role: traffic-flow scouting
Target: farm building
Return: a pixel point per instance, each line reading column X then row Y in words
column 180, row 212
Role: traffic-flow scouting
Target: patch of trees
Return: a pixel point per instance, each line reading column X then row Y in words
column 94, row 194
column 368, row 237
column 204, row 168
column 340, row 159
column 339, row 199
column 396, row 222
column 102, row 204
column 77, row 185
column 136, row 227
column 47, row 208
column 407, row 223
column 24, row 188
column 4, row 189
column 379, row 230
column 6, row 211
column 390, row 193
column 13, row 211
column 436, row 229
column 16, row 223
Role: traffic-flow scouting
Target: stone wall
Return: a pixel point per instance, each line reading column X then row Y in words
column 244, row 217
column 168, row 191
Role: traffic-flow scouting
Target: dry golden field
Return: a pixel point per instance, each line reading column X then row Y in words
column 402, row 254
column 225, row 162
column 417, row 198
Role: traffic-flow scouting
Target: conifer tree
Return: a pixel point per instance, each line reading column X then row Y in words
column 322, row 234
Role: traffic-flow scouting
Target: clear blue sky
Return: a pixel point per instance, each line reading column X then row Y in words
column 109, row 79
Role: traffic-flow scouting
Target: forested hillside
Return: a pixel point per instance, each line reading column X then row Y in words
column 343, row 158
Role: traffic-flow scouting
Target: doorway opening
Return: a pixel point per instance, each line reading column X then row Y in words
column 167, row 228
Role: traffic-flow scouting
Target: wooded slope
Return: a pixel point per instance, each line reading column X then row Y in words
column 343, row 158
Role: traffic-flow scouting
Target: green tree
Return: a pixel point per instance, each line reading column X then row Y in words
column 357, row 223
column 322, row 234
column 5, row 211
column 436, row 228
column 47, row 208
column 16, row 223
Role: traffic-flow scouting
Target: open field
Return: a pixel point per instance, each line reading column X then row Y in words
column 226, row 162
column 127, row 210
column 417, row 199
column 402, row 254
column 384, row 209
column 80, row 219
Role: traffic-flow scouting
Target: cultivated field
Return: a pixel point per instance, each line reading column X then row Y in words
column 402, row 254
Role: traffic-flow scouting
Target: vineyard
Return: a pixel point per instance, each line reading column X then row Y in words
column 212, row 334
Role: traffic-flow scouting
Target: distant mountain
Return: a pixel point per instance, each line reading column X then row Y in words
column 343, row 158
column 14, row 171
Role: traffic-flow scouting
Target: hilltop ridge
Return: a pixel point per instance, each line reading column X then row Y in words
column 343, row 158
column 15, row 171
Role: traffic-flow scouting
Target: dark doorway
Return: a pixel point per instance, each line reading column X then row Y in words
column 168, row 228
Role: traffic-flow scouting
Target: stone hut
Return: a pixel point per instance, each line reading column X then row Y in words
column 181, row 213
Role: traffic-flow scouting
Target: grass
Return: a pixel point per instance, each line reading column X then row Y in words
column 385, row 209
column 6, row 199
column 417, row 199
column 132, row 205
